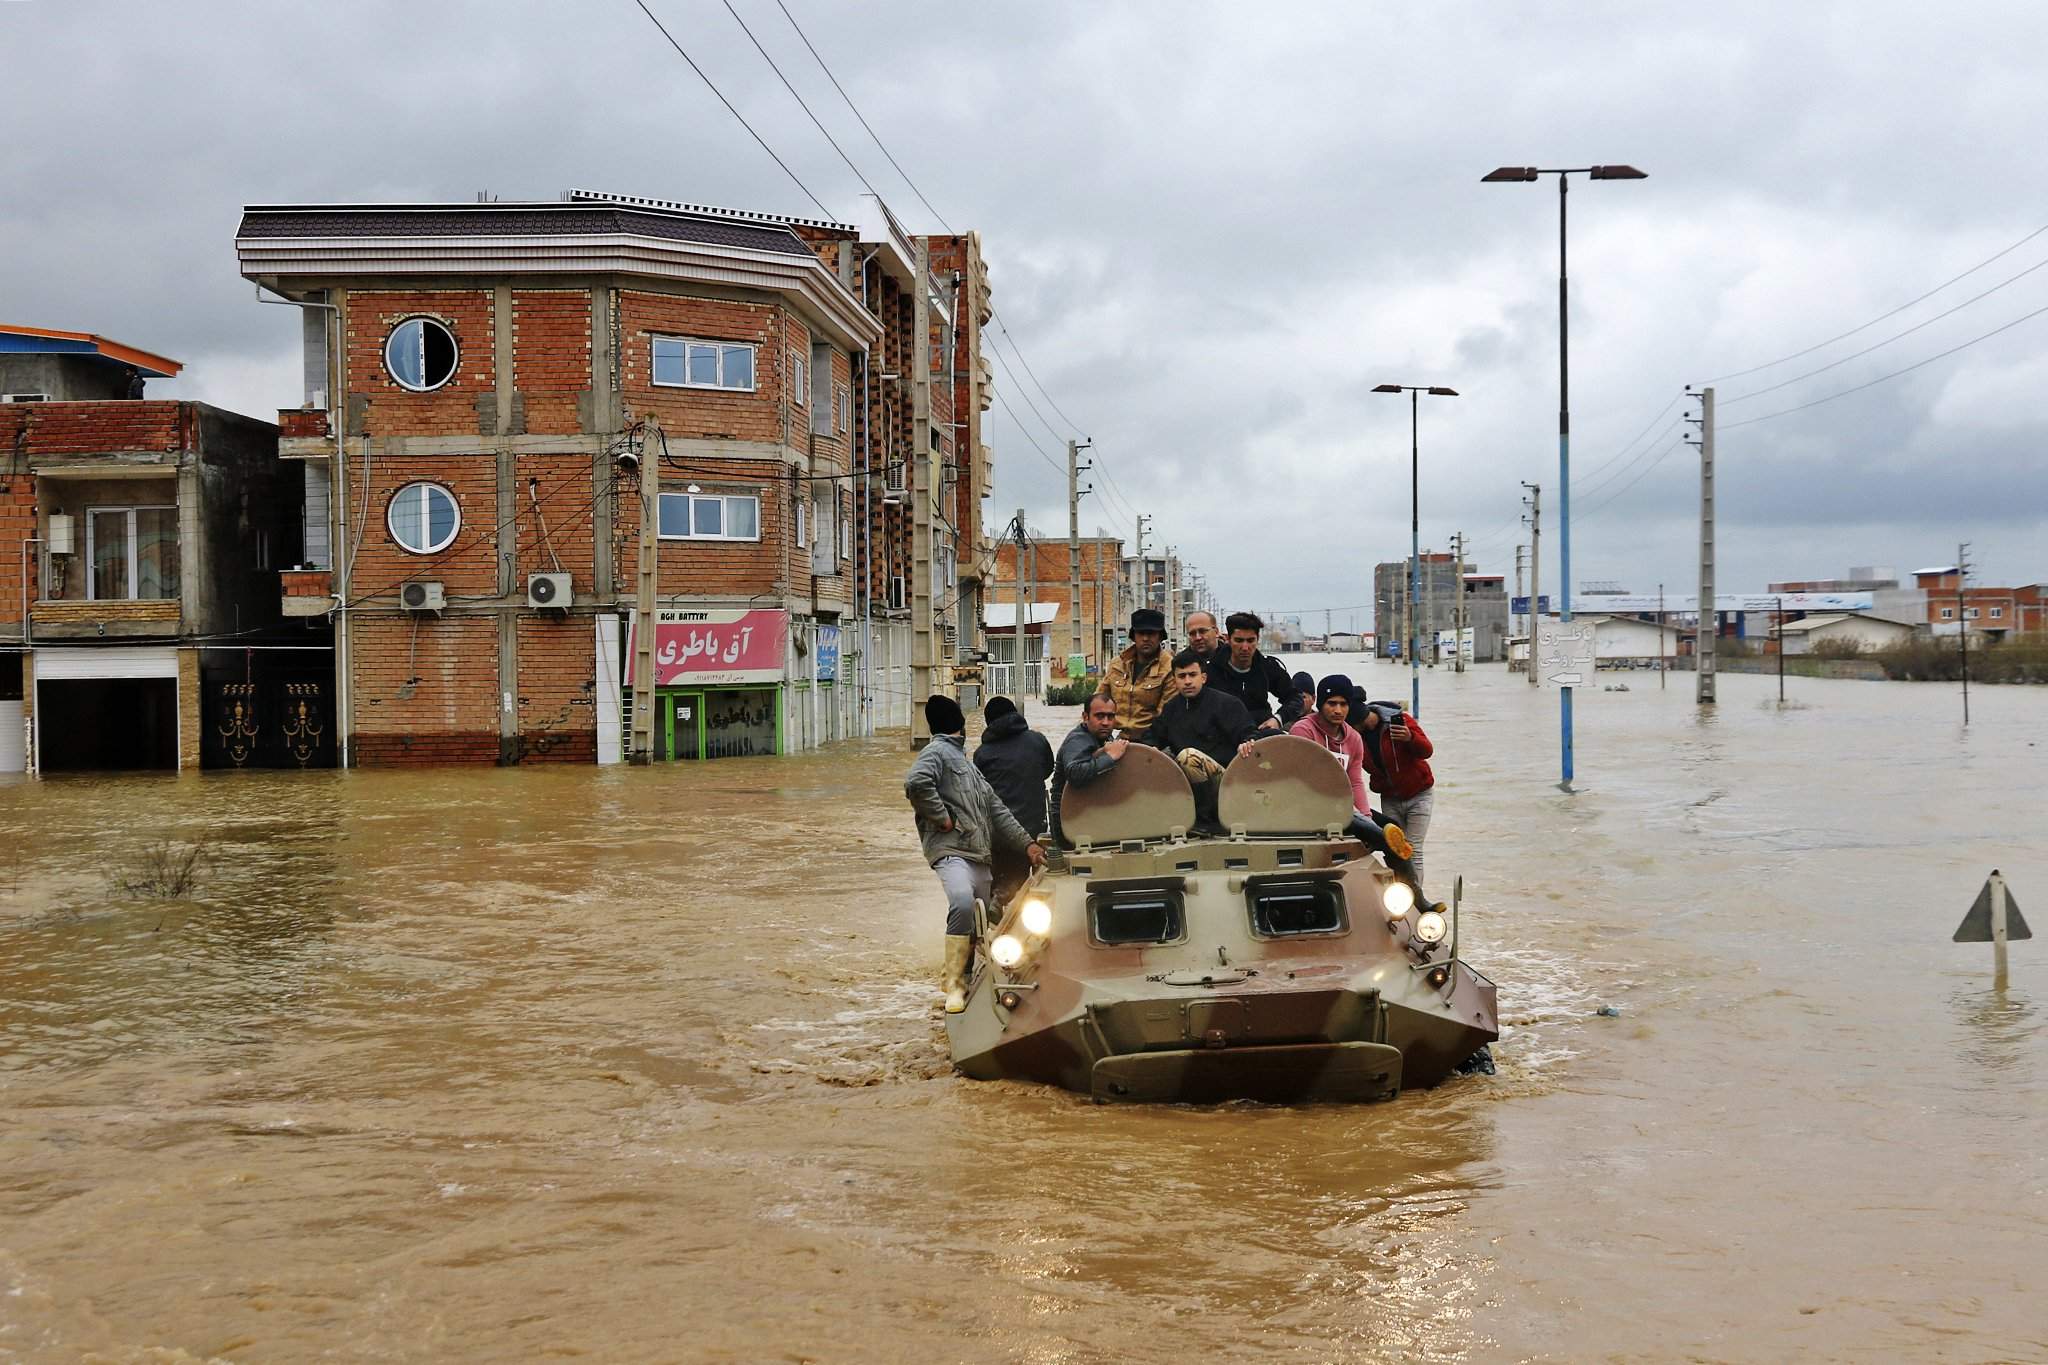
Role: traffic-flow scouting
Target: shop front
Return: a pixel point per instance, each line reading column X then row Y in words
column 718, row 682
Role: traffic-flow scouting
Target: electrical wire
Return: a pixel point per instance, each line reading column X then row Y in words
column 827, row 213
column 799, row 98
column 1891, row 313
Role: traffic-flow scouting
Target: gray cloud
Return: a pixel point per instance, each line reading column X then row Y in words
column 1213, row 228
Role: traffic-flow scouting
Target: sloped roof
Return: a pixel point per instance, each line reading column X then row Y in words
column 524, row 220
column 20, row 340
column 1003, row 615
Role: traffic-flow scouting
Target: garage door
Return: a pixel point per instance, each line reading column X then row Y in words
column 118, row 662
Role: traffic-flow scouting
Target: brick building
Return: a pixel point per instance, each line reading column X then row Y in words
column 1046, row 579
column 491, row 389
column 140, row 549
column 1982, row 610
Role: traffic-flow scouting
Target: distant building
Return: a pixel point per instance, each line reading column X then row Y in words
column 1396, row 619
column 1887, row 597
column 1044, row 572
column 1861, row 629
column 1984, row 610
column 42, row 365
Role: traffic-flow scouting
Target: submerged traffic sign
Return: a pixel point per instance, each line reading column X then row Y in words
column 1981, row 924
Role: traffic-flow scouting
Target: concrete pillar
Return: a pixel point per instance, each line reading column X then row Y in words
column 189, row 710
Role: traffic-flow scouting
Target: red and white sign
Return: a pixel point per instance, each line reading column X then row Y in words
column 715, row 646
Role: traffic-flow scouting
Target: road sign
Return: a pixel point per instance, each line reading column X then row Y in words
column 1981, row 924
column 1564, row 651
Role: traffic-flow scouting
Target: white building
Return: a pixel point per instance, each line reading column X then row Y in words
column 1867, row 631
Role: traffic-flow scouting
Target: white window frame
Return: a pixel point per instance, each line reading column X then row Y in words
column 1969, row 613
column 1948, row 613
column 799, row 377
column 1998, row 613
column 801, row 527
column 721, row 347
column 845, row 534
column 724, row 517
column 842, row 409
column 454, row 366
column 425, row 521
column 92, row 559
column 24, row 398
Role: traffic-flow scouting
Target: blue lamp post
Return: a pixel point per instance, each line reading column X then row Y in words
column 1516, row 174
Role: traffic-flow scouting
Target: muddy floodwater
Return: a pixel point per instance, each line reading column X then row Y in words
column 640, row 1065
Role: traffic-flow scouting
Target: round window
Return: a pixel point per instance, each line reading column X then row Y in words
column 420, row 354
column 423, row 518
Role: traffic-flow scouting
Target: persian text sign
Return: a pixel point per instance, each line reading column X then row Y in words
column 716, row 647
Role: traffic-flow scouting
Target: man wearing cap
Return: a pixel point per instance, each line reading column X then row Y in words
column 960, row 823
column 1138, row 679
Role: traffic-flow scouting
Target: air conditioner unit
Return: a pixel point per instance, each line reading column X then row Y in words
column 549, row 590
column 421, row 595
column 896, row 476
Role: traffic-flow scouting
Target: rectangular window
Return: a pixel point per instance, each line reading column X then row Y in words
column 683, row 364
column 842, row 408
column 1969, row 613
column 1137, row 913
column 1948, row 613
column 1305, row 906
column 799, row 382
column 845, row 537
column 800, row 527
column 132, row 553
column 1997, row 613
column 709, row 516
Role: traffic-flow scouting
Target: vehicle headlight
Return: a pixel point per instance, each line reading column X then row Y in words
column 1398, row 898
column 1007, row 950
column 1036, row 917
column 1429, row 926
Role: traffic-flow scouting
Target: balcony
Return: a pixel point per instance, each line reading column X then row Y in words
column 304, row 433
column 74, row 618
column 307, row 592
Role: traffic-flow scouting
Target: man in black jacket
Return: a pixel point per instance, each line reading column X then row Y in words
column 1256, row 680
column 1202, row 729
column 1016, row 760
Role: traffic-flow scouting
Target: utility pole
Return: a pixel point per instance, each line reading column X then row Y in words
column 1520, row 552
column 1074, row 490
column 1663, row 654
column 1710, row 619
column 1458, row 606
column 1429, row 610
column 1015, row 532
column 1141, row 586
column 1026, row 541
column 649, row 564
column 1535, row 505
column 1963, row 622
column 1781, row 651
column 923, row 646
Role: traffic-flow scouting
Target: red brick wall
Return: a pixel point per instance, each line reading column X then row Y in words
column 563, row 485
column 557, row 690
column 450, row 410
column 551, row 356
column 718, row 567
column 709, row 414
column 467, row 566
column 426, row 690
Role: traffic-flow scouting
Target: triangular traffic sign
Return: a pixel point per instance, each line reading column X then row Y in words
column 1976, row 926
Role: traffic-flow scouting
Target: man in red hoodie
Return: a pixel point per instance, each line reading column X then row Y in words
column 1397, row 765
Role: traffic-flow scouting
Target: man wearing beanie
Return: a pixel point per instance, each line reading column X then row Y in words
column 1138, row 679
column 1327, row 725
column 1016, row 760
column 961, row 822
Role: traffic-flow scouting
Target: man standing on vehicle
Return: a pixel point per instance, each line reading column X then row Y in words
column 1255, row 679
column 1397, row 765
column 1202, row 730
column 1137, row 680
column 1086, row 754
column 960, row 822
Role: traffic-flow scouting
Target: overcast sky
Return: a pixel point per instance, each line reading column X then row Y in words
column 1212, row 228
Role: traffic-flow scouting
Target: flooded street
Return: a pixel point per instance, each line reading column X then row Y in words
column 491, row 1064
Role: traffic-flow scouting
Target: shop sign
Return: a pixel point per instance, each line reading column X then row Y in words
column 828, row 654
column 715, row 646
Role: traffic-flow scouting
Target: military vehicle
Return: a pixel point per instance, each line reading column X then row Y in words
column 1282, row 962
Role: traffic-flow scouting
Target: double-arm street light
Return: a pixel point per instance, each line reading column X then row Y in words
column 1517, row 174
column 1414, row 392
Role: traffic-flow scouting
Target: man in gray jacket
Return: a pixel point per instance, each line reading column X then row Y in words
column 960, row 820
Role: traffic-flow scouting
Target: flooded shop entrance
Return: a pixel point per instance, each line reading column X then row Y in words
column 727, row 722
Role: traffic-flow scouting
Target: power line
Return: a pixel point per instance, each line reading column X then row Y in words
column 799, row 98
column 1871, row 384
column 1879, row 345
column 1844, row 336
column 731, row 110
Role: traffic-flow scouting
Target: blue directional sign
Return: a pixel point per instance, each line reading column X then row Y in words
column 1519, row 606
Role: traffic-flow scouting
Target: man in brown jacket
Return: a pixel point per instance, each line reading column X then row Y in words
column 1139, row 679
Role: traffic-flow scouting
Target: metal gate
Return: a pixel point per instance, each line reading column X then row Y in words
column 274, row 716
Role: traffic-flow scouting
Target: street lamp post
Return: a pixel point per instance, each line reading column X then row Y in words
column 1414, row 392
column 1524, row 174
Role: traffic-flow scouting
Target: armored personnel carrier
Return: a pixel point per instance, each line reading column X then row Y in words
column 1282, row 962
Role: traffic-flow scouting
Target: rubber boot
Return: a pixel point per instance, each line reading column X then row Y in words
column 1397, row 841
column 959, row 952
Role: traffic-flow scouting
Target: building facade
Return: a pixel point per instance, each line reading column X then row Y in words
column 141, row 550
column 1041, row 570
column 1980, row 609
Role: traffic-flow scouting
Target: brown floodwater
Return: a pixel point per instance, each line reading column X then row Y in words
column 643, row 1065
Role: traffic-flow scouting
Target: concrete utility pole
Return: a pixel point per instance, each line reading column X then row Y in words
column 1963, row 622
column 1710, row 619
column 1458, row 607
column 1025, row 541
column 1429, row 626
column 1663, row 654
column 1015, row 531
column 1074, row 491
column 923, row 644
column 1141, row 588
column 649, row 566
column 1521, row 552
column 1535, row 505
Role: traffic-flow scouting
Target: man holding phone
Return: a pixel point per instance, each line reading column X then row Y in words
column 1397, row 766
